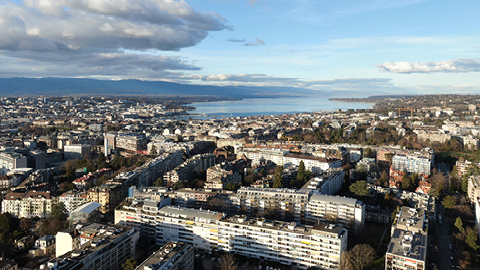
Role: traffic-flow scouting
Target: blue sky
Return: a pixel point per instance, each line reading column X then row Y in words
column 375, row 46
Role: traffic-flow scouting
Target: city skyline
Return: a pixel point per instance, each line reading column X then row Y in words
column 381, row 46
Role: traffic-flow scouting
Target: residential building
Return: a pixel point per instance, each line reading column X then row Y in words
column 168, row 223
column 44, row 246
column 36, row 204
column 473, row 189
column 328, row 182
column 301, row 246
column 95, row 246
column 172, row 256
column 108, row 196
column 348, row 212
column 409, row 241
column 418, row 164
column 73, row 199
column 256, row 202
column 192, row 198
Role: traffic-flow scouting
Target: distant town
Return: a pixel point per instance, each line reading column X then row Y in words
column 139, row 183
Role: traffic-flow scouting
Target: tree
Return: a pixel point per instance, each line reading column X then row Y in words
column 301, row 171
column 130, row 264
column 59, row 211
column 360, row 257
column 459, row 224
column 472, row 238
column 178, row 185
column 70, row 174
column 278, row 179
column 449, row 202
column 25, row 224
column 405, row 181
column 464, row 184
column 359, row 188
column 228, row 262
column 158, row 182
column 153, row 151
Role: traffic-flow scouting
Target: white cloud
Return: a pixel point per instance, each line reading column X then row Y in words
column 455, row 65
column 257, row 42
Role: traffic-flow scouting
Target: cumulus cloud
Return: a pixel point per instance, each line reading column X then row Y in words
column 236, row 40
column 69, row 34
column 455, row 65
column 257, row 42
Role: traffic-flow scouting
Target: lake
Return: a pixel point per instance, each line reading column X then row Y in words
column 272, row 106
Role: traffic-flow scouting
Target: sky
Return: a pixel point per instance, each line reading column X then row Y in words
column 375, row 46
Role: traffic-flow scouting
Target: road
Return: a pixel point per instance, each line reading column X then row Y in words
column 442, row 240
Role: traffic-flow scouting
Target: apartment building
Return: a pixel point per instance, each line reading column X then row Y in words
column 187, row 170
column 328, row 182
column 218, row 177
column 95, row 246
column 301, row 246
column 75, row 151
column 348, row 212
column 408, row 245
column 418, row 164
column 257, row 201
column 10, row 161
column 172, row 256
column 29, row 204
column 108, row 196
column 192, row 198
column 73, row 199
column 473, row 189
column 462, row 167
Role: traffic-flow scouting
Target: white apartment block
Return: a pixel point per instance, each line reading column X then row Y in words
column 28, row 205
column 288, row 243
column 408, row 245
column 412, row 164
column 75, row 151
column 73, row 199
column 10, row 161
column 255, row 201
column 348, row 212
column 302, row 246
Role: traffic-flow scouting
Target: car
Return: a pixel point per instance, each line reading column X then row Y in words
column 451, row 257
column 197, row 255
column 259, row 267
column 450, row 247
column 213, row 259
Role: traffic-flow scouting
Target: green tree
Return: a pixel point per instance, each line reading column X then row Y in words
column 359, row 188
column 472, row 238
column 59, row 211
column 464, row 184
column 70, row 174
column 101, row 158
column 301, row 172
column 278, row 180
column 158, row 182
column 449, row 202
column 153, row 151
column 130, row 264
column 178, row 185
column 406, row 181
column 459, row 224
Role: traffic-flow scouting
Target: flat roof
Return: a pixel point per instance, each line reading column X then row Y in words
column 182, row 211
column 333, row 199
column 88, row 207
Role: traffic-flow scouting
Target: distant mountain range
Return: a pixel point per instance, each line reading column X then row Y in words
column 78, row 86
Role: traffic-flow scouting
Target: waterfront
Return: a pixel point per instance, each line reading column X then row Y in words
column 272, row 106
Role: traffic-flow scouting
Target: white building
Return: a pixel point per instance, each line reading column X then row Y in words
column 75, row 151
column 348, row 212
column 10, row 161
column 301, row 246
column 412, row 163
column 73, row 199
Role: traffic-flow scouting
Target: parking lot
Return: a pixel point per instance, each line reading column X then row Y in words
column 212, row 261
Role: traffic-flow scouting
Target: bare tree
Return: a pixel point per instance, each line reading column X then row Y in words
column 359, row 257
column 228, row 262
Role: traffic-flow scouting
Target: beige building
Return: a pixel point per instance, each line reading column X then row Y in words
column 473, row 188
column 28, row 205
column 108, row 196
